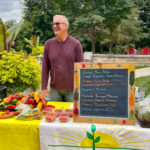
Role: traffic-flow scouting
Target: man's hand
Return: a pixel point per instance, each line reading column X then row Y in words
column 44, row 93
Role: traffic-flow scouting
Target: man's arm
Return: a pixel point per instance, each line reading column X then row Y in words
column 45, row 72
column 79, row 52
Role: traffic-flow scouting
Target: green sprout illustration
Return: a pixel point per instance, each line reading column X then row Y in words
column 91, row 136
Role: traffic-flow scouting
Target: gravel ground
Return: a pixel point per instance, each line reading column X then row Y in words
column 142, row 72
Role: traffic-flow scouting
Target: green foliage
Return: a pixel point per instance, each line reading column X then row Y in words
column 144, row 15
column 96, row 16
column 126, row 33
column 10, row 23
column 113, row 24
column 16, row 68
column 14, row 30
column 33, row 44
column 38, row 50
column 86, row 17
column 8, row 36
column 38, row 16
column 143, row 82
column 29, row 42
column 25, row 32
column 3, row 36
column 16, row 87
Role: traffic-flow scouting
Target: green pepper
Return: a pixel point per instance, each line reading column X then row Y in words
column 14, row 101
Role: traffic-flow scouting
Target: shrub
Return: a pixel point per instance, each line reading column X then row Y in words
column 33, row 44
column 37, row 50
column 18, row 69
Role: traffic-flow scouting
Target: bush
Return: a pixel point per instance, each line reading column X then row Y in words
column 33, row 44
column 20, row 71
column 37, row 50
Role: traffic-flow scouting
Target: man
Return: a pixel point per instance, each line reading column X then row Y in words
column 59, row 56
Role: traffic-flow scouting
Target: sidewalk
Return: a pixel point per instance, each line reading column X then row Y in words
column 142, row 72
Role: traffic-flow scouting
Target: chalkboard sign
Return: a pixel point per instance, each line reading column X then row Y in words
column 104, row 93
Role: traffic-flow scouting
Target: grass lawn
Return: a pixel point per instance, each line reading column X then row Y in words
column 141, row 66
column 143, row 82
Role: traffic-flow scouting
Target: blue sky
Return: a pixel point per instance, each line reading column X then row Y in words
column 11, row 9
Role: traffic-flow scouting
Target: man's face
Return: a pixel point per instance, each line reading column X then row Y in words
column 59, row 26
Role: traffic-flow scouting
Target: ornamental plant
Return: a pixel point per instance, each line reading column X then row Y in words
column 33, row 44
column 19, row 69
column 37, row 50
column 8, row 36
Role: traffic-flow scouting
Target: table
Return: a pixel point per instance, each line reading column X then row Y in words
column 79, row 136
column 19, row 135
column 41, row 135
column 22, row 135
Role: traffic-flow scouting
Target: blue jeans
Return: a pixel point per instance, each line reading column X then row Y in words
column 61, row 96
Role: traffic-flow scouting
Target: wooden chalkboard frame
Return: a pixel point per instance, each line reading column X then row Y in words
column 130, row 119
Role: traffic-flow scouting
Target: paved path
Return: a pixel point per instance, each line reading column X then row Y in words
column 142, row 72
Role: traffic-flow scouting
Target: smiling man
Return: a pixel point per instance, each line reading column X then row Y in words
column 59, row 56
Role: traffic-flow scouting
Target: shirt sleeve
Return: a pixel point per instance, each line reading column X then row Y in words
column 45, row 68
column 79, row 52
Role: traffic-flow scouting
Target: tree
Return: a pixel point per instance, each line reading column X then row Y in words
column 89, row 15
column 38, row 15
column 127, row 33
column 114, row 13
column 144, row 15
column 10, row 23
column 84, row 16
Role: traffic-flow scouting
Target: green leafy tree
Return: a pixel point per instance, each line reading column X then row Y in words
column 114, row 13
column 10, row 23
column 25, row 32
column 131, row 31
column 86, row 17
column 144, row 15
column 38, row 15
column 125, row 35
column 33, row 44
column 93, row 16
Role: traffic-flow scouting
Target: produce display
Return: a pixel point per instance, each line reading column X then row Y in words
column 27, row 113
column 34, row 100
column 32, row 106
column 8, row 105
column 26, row 107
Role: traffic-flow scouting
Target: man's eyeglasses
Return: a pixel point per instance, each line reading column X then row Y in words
column 57, row 23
